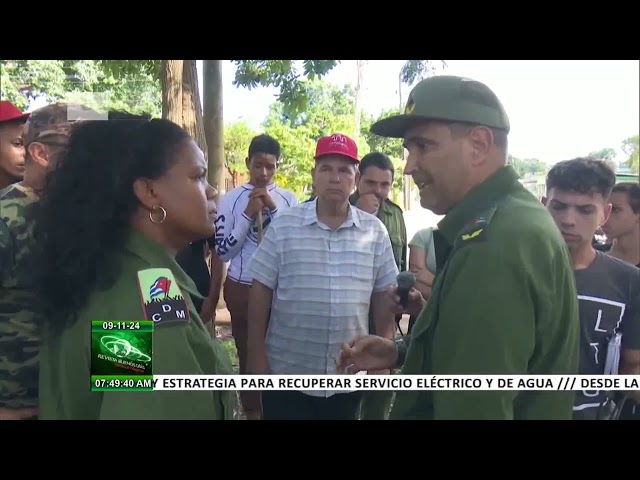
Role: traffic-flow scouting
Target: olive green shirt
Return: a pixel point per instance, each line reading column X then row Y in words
column 504, row 302
column 392, row 217
column 179, row 348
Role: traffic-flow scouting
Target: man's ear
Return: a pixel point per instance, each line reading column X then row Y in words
column 606, row 213
column 39, row 154
column 481, row 141
column 247, row 161
column 143, row 189
column 544, row 200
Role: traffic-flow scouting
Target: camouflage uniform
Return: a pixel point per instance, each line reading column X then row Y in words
column 19, row 342
column 18, row 338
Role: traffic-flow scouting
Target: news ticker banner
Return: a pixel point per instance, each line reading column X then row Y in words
column 121, row 355
column 378, row 382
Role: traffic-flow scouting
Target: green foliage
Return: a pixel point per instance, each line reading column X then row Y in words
column 283, row 74
column 606, row 154
column 120, row 69
column 330, row 110
column 415, row 70
column 99, row 84
column 392, row 147
column 527, row 166
column 237, row 137
column 630, row 147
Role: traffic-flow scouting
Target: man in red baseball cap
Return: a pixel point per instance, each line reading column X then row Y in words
column 321, row 267
column 12, row 121
column 335, row 174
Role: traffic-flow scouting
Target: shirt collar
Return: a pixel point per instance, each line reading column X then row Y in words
column 311, row 215
column 476, row 201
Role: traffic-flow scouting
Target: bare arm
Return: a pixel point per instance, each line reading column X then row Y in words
column 260, row 298
column 383, row 316
column 264, row 269
column 217, row 272
column 417, row 265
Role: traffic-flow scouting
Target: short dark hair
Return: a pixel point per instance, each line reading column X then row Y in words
column 500, row 137
column 586, row 175
column 632, row 189
column 264, row 144
column 376, row 159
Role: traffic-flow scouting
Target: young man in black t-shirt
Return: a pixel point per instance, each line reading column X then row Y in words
column 608, row 289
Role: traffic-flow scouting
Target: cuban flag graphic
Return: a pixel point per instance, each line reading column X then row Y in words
column 160, row 287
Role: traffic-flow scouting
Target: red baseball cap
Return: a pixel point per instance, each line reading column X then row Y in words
column 337, row 144
column 9, row 112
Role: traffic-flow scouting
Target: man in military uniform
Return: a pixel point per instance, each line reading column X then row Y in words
column 504, row 299
column 376, row 180
column 44, row 139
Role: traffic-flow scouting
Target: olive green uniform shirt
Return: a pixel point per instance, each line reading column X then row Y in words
column 504, row 302
column 179, row 348
column 392, row 217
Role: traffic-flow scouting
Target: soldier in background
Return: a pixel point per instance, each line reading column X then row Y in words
column 373, row 187
column 45, row 137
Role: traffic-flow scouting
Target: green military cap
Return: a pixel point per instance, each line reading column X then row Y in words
column 450, row 99
column 56, row 120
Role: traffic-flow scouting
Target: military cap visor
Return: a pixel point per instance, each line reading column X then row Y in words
column 448, row 99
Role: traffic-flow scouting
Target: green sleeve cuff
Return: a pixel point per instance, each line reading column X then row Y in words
column 402, row 344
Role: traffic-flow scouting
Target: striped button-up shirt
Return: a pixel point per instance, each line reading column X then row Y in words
column 322, row 281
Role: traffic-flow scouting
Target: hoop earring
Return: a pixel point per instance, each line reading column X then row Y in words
column 164, row 214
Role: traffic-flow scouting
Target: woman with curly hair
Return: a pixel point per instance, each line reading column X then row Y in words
column 125, row 197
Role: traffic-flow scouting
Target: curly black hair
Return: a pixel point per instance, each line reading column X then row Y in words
column 84, row 211
column 586, row 175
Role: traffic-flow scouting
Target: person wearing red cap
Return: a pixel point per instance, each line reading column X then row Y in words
column 12, row 122
column 320, row 268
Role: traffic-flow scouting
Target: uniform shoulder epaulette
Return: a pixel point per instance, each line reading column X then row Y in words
column 476, row 230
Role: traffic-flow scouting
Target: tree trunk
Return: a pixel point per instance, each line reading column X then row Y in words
column 192, row 120
column 171, row 81
column 214, row 123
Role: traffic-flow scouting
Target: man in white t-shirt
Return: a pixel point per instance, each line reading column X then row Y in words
column 237, row 237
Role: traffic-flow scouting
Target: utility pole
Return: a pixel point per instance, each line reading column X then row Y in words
column 406, row 185
column 360, row 65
